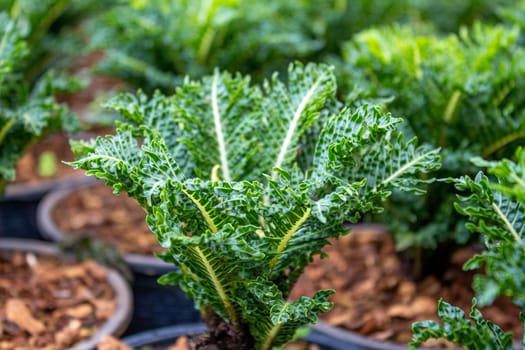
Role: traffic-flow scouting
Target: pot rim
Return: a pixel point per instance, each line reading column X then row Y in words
column 119, row 320
column 144, row 264
column 35, row 190
column 159, row 335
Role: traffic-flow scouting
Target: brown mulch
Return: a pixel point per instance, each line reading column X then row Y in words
column 57, row 144
column 47, row 304
column 374, row 296
column 118, row 220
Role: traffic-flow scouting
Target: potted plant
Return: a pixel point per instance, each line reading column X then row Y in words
column 29, row 113
column 461, row 92
column 48, row 68
column 243, row 184
column 495, row 207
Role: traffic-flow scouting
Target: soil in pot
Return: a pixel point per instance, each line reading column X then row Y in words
column 43, row 160
column 118, row 220
column 376, row 298
column 46, row 303
column 94, row 211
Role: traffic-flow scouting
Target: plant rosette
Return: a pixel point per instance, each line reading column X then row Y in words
column 244, row 184
column 49, row 300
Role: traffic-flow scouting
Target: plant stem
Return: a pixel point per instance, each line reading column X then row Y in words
column 205, row 45
column 267, row 345
column 218, row 128
column 508, row 225
column 5, row 129
column 288, row 236
column 294, row 124
column 447, row 117
column 488, row 151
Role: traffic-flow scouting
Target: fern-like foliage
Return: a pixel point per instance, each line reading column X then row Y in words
column 50, row 30
column 462, row 92
column 475, row 333
column 216, row 167
column 27, row 111
column 495, row 208
column 160, row 41
column 151, row 44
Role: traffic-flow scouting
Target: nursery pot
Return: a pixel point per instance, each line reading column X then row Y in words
column 144, row 264
column 18, row 218
column 155, row 305
column 18, row 205
column 36, row 190
column 160, row 339
column 119, row 319
column 352, row 340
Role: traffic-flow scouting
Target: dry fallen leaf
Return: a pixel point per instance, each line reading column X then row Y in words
column 79, row 311
column 18, row 313
column 180, row 344
column 111, row 343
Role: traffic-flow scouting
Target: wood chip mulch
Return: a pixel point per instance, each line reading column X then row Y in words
column 374, row 296
column 48, row 304
column 56, row 144
column 118, row 220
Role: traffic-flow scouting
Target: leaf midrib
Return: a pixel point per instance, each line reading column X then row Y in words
column 294, row 124
column 218, row 129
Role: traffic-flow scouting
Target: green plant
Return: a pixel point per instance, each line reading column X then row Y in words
column 450, row 16
column 161, row 41
column 154, row 44
column 28, row 112
column 463, row 93
column 243, row 184
column 475, row 333
column 50, row 30
column 495, row 207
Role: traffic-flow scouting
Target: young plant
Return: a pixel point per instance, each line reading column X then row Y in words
column 27, row 112
column 50, row 30
column 463, row 93
column 154, row 44
column 243, row 184
column 495, row 207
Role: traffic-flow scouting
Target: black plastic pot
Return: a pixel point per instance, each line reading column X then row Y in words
column 355, row 340
column 35, row 191
column 18, row 218
column 327, row 337
column 160, row 339
column 19, row 206
column 120, row 319
column 157, row 306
